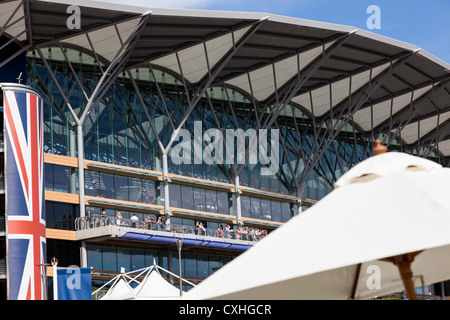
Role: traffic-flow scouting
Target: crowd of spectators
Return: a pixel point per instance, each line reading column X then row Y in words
column 149, row 223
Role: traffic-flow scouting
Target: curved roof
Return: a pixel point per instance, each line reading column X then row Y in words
column 393, row 87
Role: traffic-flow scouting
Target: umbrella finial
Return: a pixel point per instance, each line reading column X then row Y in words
column 379, row 148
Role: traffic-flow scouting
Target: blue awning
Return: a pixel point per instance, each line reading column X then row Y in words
column 186, row 241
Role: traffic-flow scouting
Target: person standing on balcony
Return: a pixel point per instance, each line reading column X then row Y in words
column 119, row 218
column 134, row 221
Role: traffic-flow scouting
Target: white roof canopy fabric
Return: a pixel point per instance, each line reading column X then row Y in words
column 153, row 286
column 261, row 63
column 119, row 289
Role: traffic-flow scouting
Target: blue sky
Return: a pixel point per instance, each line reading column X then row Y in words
column 425, row 24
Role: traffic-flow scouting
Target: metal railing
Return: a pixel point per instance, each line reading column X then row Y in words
column 97, row 221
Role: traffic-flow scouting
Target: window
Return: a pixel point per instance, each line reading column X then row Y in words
column 61, row 179
column 175, row 195
column 255, row 208
column 109, row 258
column 202, row 265
column 214, row 264
column 211, row 200
column 187, row 197
column 135, row 189
column 106, row 185
column 48, row 176
column 91, row 182
column 222, row 202
column 94, row 256
column 123, row 258
column 199, row 199
column 190, row 264
column 285, row 211
column 245, row 206
column 265, row 209
column 121, row 187
column 148, row 191
column 276, row 210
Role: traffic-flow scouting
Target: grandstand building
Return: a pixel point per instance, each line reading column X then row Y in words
column 222, row 124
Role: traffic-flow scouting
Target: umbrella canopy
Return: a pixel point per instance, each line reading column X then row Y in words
column 390, row 208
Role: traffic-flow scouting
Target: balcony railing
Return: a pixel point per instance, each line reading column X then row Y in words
column 97, row 221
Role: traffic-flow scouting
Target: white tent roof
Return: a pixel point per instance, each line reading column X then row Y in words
column 120, row 288
column 154, row 286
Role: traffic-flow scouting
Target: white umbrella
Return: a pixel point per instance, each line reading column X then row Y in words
column 390, row 208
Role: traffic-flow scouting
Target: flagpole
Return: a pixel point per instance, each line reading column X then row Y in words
column 55, row 278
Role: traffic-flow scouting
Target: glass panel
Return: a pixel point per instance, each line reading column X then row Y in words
column 199, row 199
column 175, row 195
column 135, row 189
column 61, row 179
column 245, row 206
column 148, row 191
column 91, row 182
column 48, row 176
column 211, row 200
column 62, row 215
column 276, row 210
column 94, row 256
column 285, row 211
column 265, row 209
column 123, row 258
column 214, row 264
column 255, row 208
column 222, row 202
column 187, row 197
column 121, row 187
column 109, row 258
column 150, row 257
column 190, row 265
column 106, row 185
column 50, row 214
column 203, row 265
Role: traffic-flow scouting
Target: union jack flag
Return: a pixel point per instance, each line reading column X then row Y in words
column 23, row 119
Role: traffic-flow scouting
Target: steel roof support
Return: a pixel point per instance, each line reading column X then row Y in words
column 409, row 116
column 101, row 87
column 358, row 98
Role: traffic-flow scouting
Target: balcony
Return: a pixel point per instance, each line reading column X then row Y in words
column 98, row 226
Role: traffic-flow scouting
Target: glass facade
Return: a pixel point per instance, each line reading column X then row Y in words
column 118, row 131
column 195, row 266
